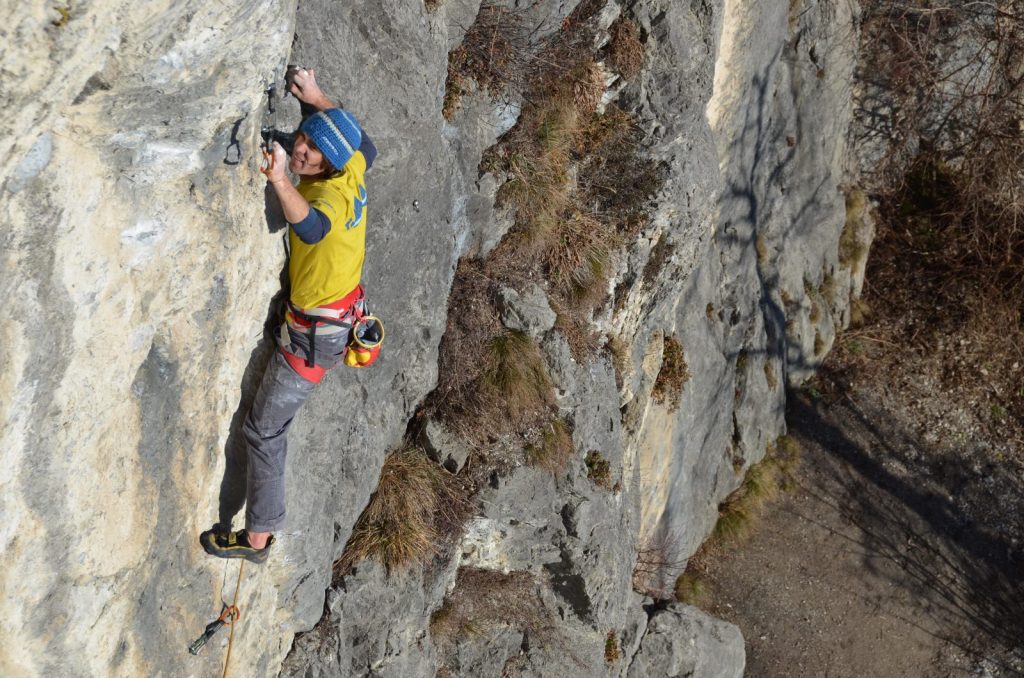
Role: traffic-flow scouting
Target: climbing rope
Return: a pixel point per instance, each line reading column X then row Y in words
column 234, row 606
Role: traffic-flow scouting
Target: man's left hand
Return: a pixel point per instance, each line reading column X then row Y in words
column 274, row 162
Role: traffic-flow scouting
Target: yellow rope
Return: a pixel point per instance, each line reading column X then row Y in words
column 231, row 636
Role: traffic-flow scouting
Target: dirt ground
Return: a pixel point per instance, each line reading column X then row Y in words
column 895, row 553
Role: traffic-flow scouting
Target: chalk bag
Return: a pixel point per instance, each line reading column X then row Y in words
column 364, row 342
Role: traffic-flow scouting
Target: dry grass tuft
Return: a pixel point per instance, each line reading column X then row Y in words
column 770, row 376
column 555, row 449
column 691, row 589
column 626, row 53
column 819, row 345
column 852, row 248
column 761, row 246
column 739, row 511
column 620, row 357
column 516, row 375
column 674, row 373
column 406, row 517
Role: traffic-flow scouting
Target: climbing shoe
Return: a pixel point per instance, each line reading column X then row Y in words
column 234, row 545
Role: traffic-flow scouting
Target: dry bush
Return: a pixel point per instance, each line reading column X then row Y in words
column 673, row 375
column 658, row 564
column 472, row 325
column 950, row 188
column 576, row 180
column 575, row 326
column 492, row 380
column 485, row 599
column 661, row 253
column 626, row 53
column 496, row 53
column 415, row 504
column 578, row 186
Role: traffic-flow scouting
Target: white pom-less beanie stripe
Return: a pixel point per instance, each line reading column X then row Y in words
column 336, row 133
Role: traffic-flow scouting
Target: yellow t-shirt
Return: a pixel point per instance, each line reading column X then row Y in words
column 328, row 270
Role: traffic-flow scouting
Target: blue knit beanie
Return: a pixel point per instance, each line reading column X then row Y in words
column 336, row 133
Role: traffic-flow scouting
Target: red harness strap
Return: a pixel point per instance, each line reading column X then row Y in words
column 313, row 374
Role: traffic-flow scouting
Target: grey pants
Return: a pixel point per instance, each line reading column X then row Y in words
column 281, row 393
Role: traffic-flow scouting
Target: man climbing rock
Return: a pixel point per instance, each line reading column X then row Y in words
column 326, row 212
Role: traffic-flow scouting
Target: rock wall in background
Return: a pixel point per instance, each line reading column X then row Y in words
column 139, row 264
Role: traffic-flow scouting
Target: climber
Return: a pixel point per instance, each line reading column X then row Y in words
column 326, row 212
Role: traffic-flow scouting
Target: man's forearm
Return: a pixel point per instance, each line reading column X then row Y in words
column 309, row 108
column 293, row 204
column 323, row 103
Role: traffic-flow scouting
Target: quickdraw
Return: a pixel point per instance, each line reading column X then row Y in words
column 228, row 616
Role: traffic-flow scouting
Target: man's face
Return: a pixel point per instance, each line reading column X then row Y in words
column 307, row 160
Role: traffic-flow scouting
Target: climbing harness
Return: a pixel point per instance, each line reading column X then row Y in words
column 349, row 314
column 229, row 615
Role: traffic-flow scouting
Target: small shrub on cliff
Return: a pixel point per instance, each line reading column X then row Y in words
column 657, row 565
column 612, row 653
column 598, row 469
column 625, row 51
column 674, row 373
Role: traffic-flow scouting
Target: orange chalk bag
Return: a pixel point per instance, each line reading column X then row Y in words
column 366, row 337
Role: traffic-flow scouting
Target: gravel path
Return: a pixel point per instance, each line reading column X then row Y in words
column 884, row 559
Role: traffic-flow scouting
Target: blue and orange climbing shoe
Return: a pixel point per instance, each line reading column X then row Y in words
column 234, row 545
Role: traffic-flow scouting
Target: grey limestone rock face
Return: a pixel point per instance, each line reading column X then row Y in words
column 527, row 312
column 444, row 447
column 683, row 641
